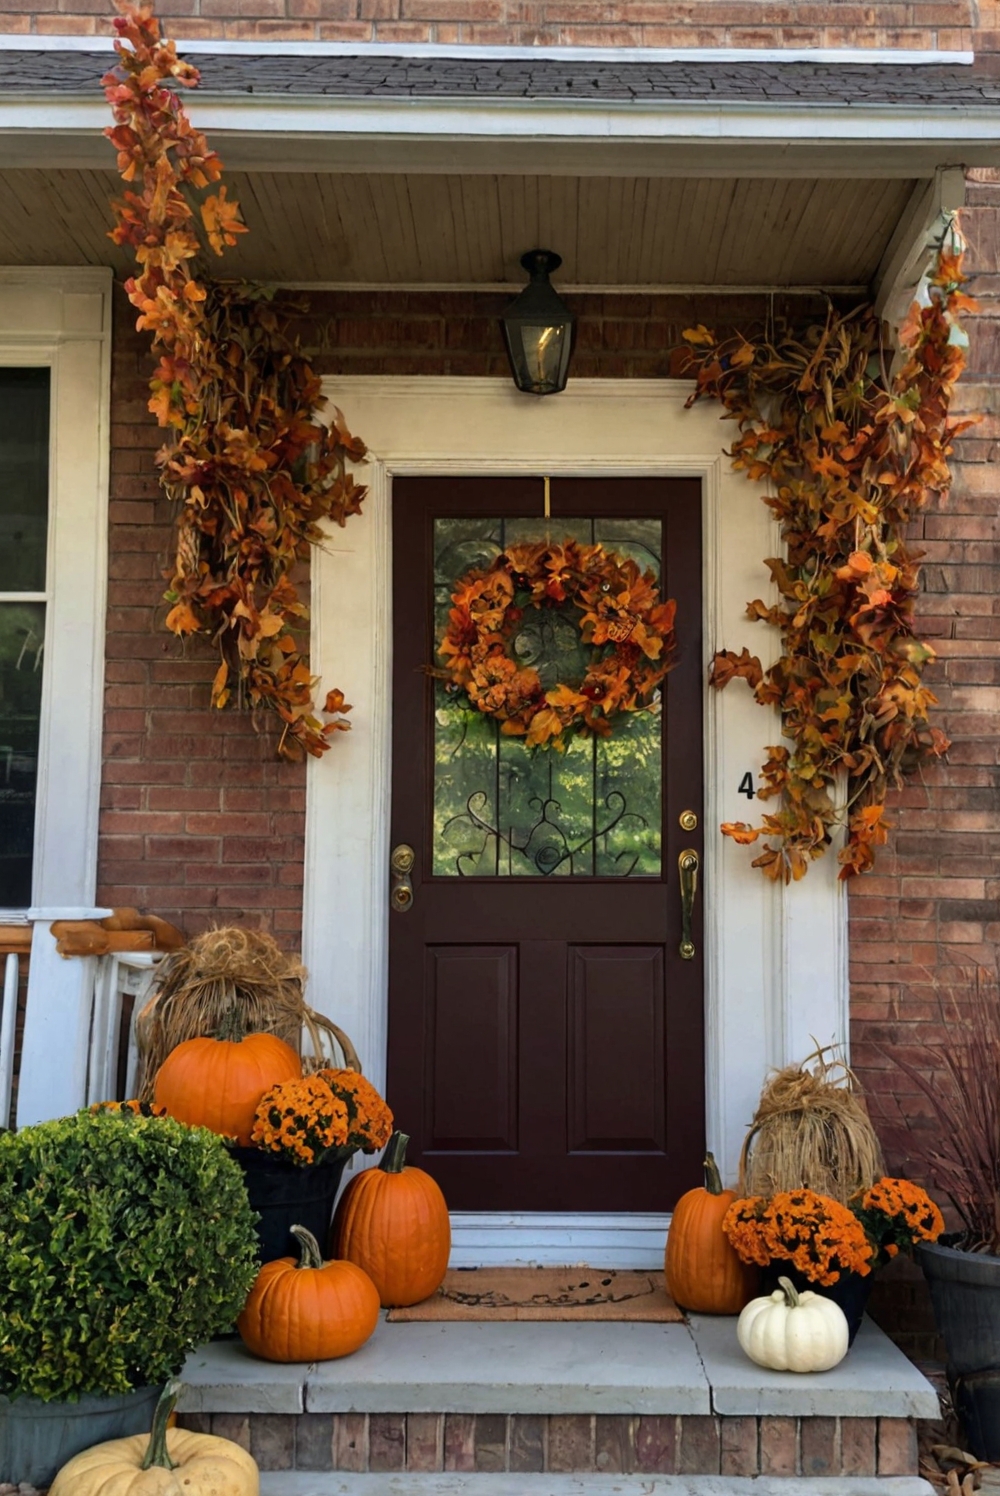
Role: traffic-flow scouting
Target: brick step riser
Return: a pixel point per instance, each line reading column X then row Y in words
column 615, row 1443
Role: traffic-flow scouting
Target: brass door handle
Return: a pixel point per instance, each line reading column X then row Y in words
column 687, row 866
column 401, row 863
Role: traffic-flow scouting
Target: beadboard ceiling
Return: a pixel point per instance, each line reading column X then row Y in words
column 426, row 229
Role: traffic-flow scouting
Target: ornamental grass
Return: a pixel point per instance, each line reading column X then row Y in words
column 811, row 1131
column 223, row 969
column 959, row 1149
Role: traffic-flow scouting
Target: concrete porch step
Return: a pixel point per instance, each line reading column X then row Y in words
column 293, row 1483
column 529, row 1408
column 558, row 1369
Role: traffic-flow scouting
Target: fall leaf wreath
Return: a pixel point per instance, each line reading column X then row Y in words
column 620, row 617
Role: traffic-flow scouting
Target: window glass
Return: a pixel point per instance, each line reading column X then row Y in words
column 504, row 810
column 22, row 635
column 24, row 503
column 24, row 478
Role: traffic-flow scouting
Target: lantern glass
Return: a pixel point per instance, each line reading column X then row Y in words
column 538, row 330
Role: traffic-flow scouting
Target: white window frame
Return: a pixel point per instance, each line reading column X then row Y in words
column 61, row 319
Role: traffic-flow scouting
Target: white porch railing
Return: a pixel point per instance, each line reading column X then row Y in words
column 77, row 1015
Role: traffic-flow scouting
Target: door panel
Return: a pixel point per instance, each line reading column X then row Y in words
column 545, row 1036
column 615, row 1073
column 472, row 1043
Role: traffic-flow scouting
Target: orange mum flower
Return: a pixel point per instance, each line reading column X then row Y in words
column 816, row 1234
column 896, row 1215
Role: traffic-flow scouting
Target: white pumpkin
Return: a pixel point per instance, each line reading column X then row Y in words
column 792, row 1331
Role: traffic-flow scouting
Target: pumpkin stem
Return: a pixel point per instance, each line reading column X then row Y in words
column 791, row 1292
column 713, row 1179
column 394, row 1157
column 309, row 1252
column 232, row 1026
column 157, row 1456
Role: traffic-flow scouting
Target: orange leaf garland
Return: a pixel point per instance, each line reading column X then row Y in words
column 250, row 465
column 850, row 453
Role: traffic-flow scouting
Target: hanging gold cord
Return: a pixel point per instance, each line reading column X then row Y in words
column 548, row 510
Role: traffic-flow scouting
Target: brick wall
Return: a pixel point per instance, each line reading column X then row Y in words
column 929, row 914
column 199, row 822
column 612, row 23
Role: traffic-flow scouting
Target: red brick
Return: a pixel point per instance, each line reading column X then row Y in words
column 656, row 1444
column 614, row 1443
column 386, row 1441
column 424, row 1441
column 700, row 1446
column 490, row 1436
column 897, row 1447
column 739, row 1452
column 459, row 1441
column 350, row 1441
column 778, row 1446
column 820, row 1446
column 857, row 1446
column 571, row 1442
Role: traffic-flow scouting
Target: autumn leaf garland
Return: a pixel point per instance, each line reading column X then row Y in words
column 850, row 452
column 250, row 466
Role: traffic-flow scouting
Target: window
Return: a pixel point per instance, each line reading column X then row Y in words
column 24, row 503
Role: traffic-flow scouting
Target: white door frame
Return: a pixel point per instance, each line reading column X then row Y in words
column 776, row 958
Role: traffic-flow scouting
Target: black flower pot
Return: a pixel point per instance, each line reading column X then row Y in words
column 965, row 1292
column 850, row 1292
column 286, row 1195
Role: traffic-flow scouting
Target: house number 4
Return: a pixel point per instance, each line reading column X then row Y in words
column 746, row 786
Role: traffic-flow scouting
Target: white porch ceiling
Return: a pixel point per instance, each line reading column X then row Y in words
column 398, row 228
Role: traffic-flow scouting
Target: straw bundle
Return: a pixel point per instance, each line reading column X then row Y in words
column 811, row 1130
column 225, row 968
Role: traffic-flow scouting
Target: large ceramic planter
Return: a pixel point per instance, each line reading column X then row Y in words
column 37, row 1438
column 851, row 1291
column 965, row 1292
column 285, row 1195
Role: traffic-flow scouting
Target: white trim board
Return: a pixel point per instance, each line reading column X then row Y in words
column 222, row 47
column 535, row 1239
column 62, row 318
column 776, row 958
column 600, row 119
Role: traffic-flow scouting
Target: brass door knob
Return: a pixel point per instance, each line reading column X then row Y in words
column 401, row 862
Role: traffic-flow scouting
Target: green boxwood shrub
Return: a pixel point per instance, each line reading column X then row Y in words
column 124, row 1243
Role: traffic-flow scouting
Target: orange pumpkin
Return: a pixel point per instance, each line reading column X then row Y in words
column 308, row 1310
column 217, row 1083
column 702, row 1269
column 393, row 1222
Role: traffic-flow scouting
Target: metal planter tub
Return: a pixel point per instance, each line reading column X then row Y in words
column 37, row 1438
column 965, row 1291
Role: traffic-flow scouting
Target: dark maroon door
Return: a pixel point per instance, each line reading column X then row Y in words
column 545, row 1033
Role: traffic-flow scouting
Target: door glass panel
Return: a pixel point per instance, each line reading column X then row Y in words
column 22, row 635
column 502, row 809
column 24, row 478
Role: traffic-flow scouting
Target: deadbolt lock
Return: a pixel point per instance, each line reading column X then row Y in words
column 688, row 820
column 401, row 861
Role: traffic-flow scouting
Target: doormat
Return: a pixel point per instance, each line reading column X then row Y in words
column 546, row 1293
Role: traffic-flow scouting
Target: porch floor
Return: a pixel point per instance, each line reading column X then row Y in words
column 560, row 1368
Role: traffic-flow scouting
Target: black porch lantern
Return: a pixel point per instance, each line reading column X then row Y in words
column 538, row 329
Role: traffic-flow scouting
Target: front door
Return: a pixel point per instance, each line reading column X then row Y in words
column 545, row 1032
